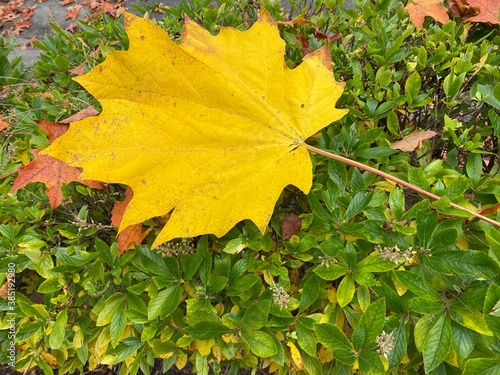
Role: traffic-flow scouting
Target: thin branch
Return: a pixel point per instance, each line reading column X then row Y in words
column 396, row 180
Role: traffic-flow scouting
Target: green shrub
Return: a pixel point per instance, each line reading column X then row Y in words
column 378, row 280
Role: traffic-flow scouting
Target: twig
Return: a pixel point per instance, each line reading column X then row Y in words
column 396, row 180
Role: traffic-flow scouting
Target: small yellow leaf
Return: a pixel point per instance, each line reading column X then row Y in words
column 49, row 359
column 296, row 357
column 181, row 360
column 325, row 355
column 210, row 130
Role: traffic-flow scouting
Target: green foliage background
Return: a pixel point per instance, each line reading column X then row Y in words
column 378, row 280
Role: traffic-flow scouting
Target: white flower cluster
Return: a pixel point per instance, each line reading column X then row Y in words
column 280, row 296
column 177, row 247
column 385, row 344
column 326, row 260
column 395, row 254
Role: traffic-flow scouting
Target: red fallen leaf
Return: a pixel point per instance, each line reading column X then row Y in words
column 290, row 225
column 130, row 235
column 53, row 173
column 73, row 11
column 53, row 129
column 487, row 11
column 79, row 70
column 3, row 124
column 460, row 9
column 29, row 43
column 66, row 2
column 490, row 210
column 413, row 141
column 418, row 9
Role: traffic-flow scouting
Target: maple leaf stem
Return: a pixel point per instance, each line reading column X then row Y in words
column 396, row 180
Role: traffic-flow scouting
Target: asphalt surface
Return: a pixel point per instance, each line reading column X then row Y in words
column 53, row 11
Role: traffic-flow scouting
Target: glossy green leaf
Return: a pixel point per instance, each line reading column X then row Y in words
column 396, row 356
column 425, row 305
column 373, row 263
column 438, row 343
column 370, row 363
column 345, row 291
column 412, row 87
column 482, row 366
column 310, row 292
column 261, row 344
column 372, row 321
column 206, row 330
column 256, row 315
column 331, row 271
column 463, row 340
column 306, row 339
column 416, row 284
column 491, row 309
column 117, row 325
column 164, row 302
column 58, row 332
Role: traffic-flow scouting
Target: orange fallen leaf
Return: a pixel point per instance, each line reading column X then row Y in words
column 3, row 124
column 53, row 173
column 419, row 9
column 130, row 235
column 53, row 129
column 487, row 10
column 73, row 11
column 413, row 141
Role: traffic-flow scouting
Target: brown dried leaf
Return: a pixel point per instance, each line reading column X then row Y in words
column 53, row 129
column 418, row 9
column 487, row 11
column 84, row 113
column 290, row 225
column 130, row 235
column 413, row 141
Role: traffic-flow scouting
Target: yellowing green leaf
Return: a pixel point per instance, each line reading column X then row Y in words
column 210, row 130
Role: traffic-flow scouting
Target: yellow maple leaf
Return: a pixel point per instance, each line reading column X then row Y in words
column 210, row 130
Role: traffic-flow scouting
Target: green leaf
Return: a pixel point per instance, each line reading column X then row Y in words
column 467, row 262
column 416, row 284
column 397, row 203
column 58, row 330
column 421, row 331
column 49, row 286
column 452, row 85
column 471, row 319
column 398, row 353
column 206, row 330
column 426, row 224
column 256, row 315
column 373, row 263
column 310, row 292
column 117, row 325
column 425, row 305
column 164, row 302
column 261, row 343
column 332, row 337
column 474, row 167
column 240, row 284
column 482, row 366
column 412, row 87
column 306, row 339
column 112, row 305
column 345, row 291
column 370, row 363
column 190, row 264
column 463, row 340
column 442, row 239
column 372, row 321
column 490, row 95
column 357, row 204
column 491, row 308
column 438, row 343
column 318, row 208
column 331, row 272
